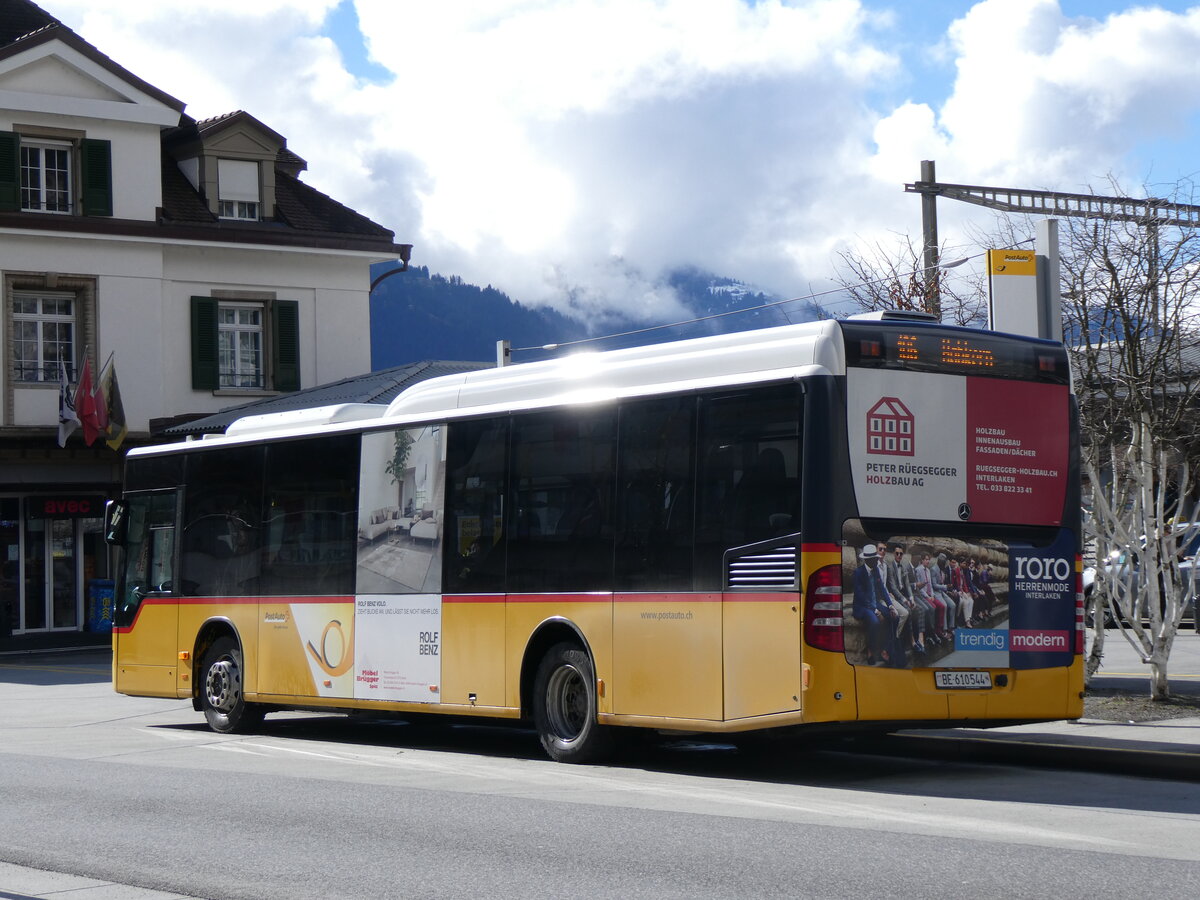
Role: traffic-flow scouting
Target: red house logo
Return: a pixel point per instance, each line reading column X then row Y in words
column 890, row 428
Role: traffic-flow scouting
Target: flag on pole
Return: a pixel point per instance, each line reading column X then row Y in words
column 85, row 404
column 100, row 398
column 68, row 421
column 114, row 411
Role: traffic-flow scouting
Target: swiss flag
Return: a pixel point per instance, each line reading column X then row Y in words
column 85, row 405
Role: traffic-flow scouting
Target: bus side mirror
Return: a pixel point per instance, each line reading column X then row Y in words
column 116, row 522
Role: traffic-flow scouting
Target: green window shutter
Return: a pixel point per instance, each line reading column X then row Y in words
column 95, row 166
column 10, row 171
column 286, row 321
column 204, row 344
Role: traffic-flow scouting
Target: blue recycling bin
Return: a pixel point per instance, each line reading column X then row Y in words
column 100, row 606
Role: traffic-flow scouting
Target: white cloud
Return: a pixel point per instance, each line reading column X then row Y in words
column 569, row 151
column 1042, row 100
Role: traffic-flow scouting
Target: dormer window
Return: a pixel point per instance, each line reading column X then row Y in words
column 46, row 176
column 237, row 189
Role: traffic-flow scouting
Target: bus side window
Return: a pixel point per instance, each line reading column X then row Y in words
column 476, row 460
column 655, row 499
column 222, row 522
column 560, row 535
column 309, row 523
column 749, row 477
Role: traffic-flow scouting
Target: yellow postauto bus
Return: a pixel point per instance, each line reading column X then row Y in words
column 843, row 523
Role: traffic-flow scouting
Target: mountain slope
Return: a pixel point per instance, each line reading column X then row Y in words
column 416, row 315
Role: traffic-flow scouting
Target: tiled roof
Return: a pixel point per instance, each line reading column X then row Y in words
column 181, row 201
column 290, row 162
column 374, row 387
column 303, row 216
column 19, row 18
column 213, row 124
column 24, row 24
column 307, row 209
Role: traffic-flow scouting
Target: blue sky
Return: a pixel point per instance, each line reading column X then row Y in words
column 571, row 152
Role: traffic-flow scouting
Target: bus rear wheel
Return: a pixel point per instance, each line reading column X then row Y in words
column 564, row 707
column 225, row 707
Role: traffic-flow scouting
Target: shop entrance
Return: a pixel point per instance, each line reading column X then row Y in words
column 52, row 548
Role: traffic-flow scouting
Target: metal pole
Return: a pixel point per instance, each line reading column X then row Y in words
column 933, row 291
column 1049, row 286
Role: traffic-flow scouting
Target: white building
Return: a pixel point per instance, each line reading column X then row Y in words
column 189, row 253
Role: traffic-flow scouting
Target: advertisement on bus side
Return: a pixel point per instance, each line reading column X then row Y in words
column 399, row 651
column 949, row 447
column 938, row 601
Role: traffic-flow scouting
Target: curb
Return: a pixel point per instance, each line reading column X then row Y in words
column 1112, row 756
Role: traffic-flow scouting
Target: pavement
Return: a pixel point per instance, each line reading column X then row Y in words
column 1165, row 748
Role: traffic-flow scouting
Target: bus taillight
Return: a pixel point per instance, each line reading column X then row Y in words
column 823, row 609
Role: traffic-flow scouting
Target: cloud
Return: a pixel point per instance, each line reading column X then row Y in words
column 570, row 152
column 1042, row 100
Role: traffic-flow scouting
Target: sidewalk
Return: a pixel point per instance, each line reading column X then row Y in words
column 1165, row 748
column 21, row 883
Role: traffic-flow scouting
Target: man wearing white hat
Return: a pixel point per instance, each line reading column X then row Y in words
column 872, row 607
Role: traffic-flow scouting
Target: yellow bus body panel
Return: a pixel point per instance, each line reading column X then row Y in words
column 910, row 695
column 761, row 654
column 829, row 695
column 473, row 651
column 242, row 615
column 591, row 614
column 667, row 656
column 145, row 658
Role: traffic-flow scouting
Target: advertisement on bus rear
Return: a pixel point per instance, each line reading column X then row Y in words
column 952, row 447
column 935, row 601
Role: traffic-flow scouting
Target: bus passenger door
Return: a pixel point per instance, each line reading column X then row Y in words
column 146, row 615
column 761, row 618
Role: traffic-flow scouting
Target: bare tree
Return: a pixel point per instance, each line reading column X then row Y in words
column 1131, row 311
column 878, row 278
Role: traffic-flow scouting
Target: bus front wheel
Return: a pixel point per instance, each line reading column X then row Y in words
column 225, row 707
column 564, row 707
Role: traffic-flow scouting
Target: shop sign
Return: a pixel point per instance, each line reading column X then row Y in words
column 65, row 506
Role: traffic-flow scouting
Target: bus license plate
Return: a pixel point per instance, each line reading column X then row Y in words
column 962, row 681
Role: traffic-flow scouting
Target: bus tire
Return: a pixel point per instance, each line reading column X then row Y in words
column 564, row 707
column 225, row 707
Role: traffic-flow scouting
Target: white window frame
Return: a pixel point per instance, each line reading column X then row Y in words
column 241, row 346
column 46, row 369
column 56, row 201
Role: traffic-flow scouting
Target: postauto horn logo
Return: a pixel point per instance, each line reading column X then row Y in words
column 335, row 655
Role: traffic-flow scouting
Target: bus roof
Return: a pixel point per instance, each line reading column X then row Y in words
column 743, row 357
column 722, row 360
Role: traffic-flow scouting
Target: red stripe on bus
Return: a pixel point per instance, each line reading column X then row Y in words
column 223, row 601
column 592, row 597
column 820, row 548
column 750, row 597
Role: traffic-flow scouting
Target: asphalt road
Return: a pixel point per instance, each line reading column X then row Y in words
column 135, row 791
